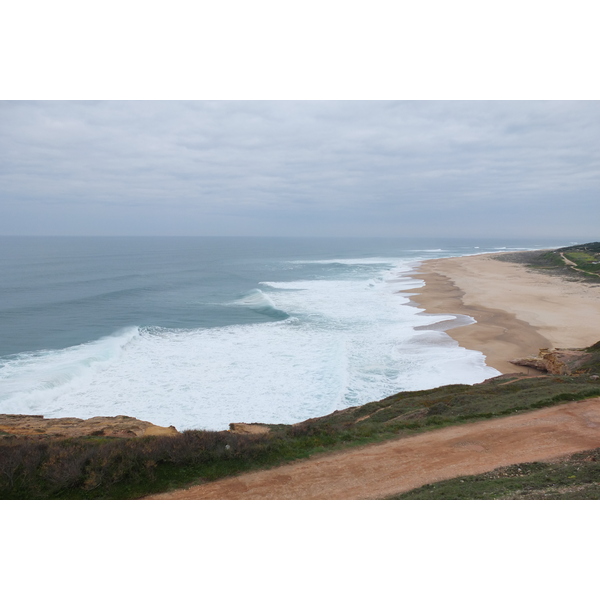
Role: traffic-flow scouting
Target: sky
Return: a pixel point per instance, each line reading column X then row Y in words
column 300, row 168
column 369, row 168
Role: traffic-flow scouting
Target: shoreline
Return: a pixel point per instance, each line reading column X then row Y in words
column 517, row 311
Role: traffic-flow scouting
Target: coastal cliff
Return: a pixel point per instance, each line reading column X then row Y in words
column 117, row 427
column 560, row 361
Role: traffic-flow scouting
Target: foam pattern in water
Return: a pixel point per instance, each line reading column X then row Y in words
column 337, row 343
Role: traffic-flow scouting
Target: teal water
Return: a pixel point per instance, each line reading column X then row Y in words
column 199, row 332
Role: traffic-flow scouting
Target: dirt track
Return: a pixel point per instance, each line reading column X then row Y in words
column 381, row 470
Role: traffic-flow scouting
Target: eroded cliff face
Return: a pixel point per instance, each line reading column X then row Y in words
column 249, row 428
column 120, row 426
column 560, row 361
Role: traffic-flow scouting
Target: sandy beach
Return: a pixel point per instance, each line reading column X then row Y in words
column 518, row 311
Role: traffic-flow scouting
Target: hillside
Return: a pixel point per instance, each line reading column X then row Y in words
column 575, row 477
column 106, row 467
column 580, row 262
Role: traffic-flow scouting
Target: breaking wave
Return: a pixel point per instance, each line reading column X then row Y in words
column 331, row 343
column 29, row 380
column 259, row 302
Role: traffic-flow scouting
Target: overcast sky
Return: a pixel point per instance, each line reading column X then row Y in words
column 301, row 168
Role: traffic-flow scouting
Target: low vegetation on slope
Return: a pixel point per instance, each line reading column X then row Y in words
column 104, row 467
column 577, row 262
column 576, row 477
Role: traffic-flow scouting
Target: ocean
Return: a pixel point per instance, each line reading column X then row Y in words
column 201, row 332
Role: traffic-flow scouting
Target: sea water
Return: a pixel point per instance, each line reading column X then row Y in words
column 201, row 332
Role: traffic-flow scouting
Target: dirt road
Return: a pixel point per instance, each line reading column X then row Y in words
column 392, row 467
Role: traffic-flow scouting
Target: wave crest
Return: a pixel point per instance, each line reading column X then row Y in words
column 259, row 302
column 30, row 377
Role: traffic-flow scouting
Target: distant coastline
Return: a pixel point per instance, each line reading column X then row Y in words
column 518, row 310
column 486, row 431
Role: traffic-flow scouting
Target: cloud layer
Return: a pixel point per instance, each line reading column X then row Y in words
column 300, row 168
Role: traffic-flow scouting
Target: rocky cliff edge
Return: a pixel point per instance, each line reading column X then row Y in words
column 120, row 426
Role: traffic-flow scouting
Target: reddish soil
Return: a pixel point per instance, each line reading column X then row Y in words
column 382, row 470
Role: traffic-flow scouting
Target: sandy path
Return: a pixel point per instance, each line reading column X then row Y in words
column 517, row 311
column 381, row 470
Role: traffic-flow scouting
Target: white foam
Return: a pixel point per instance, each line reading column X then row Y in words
column 511, row 248
column 31, row 380
column 348, row 342
column 260, row 302
column 348, row 261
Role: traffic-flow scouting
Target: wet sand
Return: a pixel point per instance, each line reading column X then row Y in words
column 518, row 311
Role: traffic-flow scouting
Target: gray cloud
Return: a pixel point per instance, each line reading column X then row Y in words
column 300, row 168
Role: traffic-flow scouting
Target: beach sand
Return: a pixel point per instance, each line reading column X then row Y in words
column 518, row 311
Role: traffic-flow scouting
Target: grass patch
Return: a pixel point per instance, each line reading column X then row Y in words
column 575, row 478
column 585, row 256
column 585, row 260
column 536, row 259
